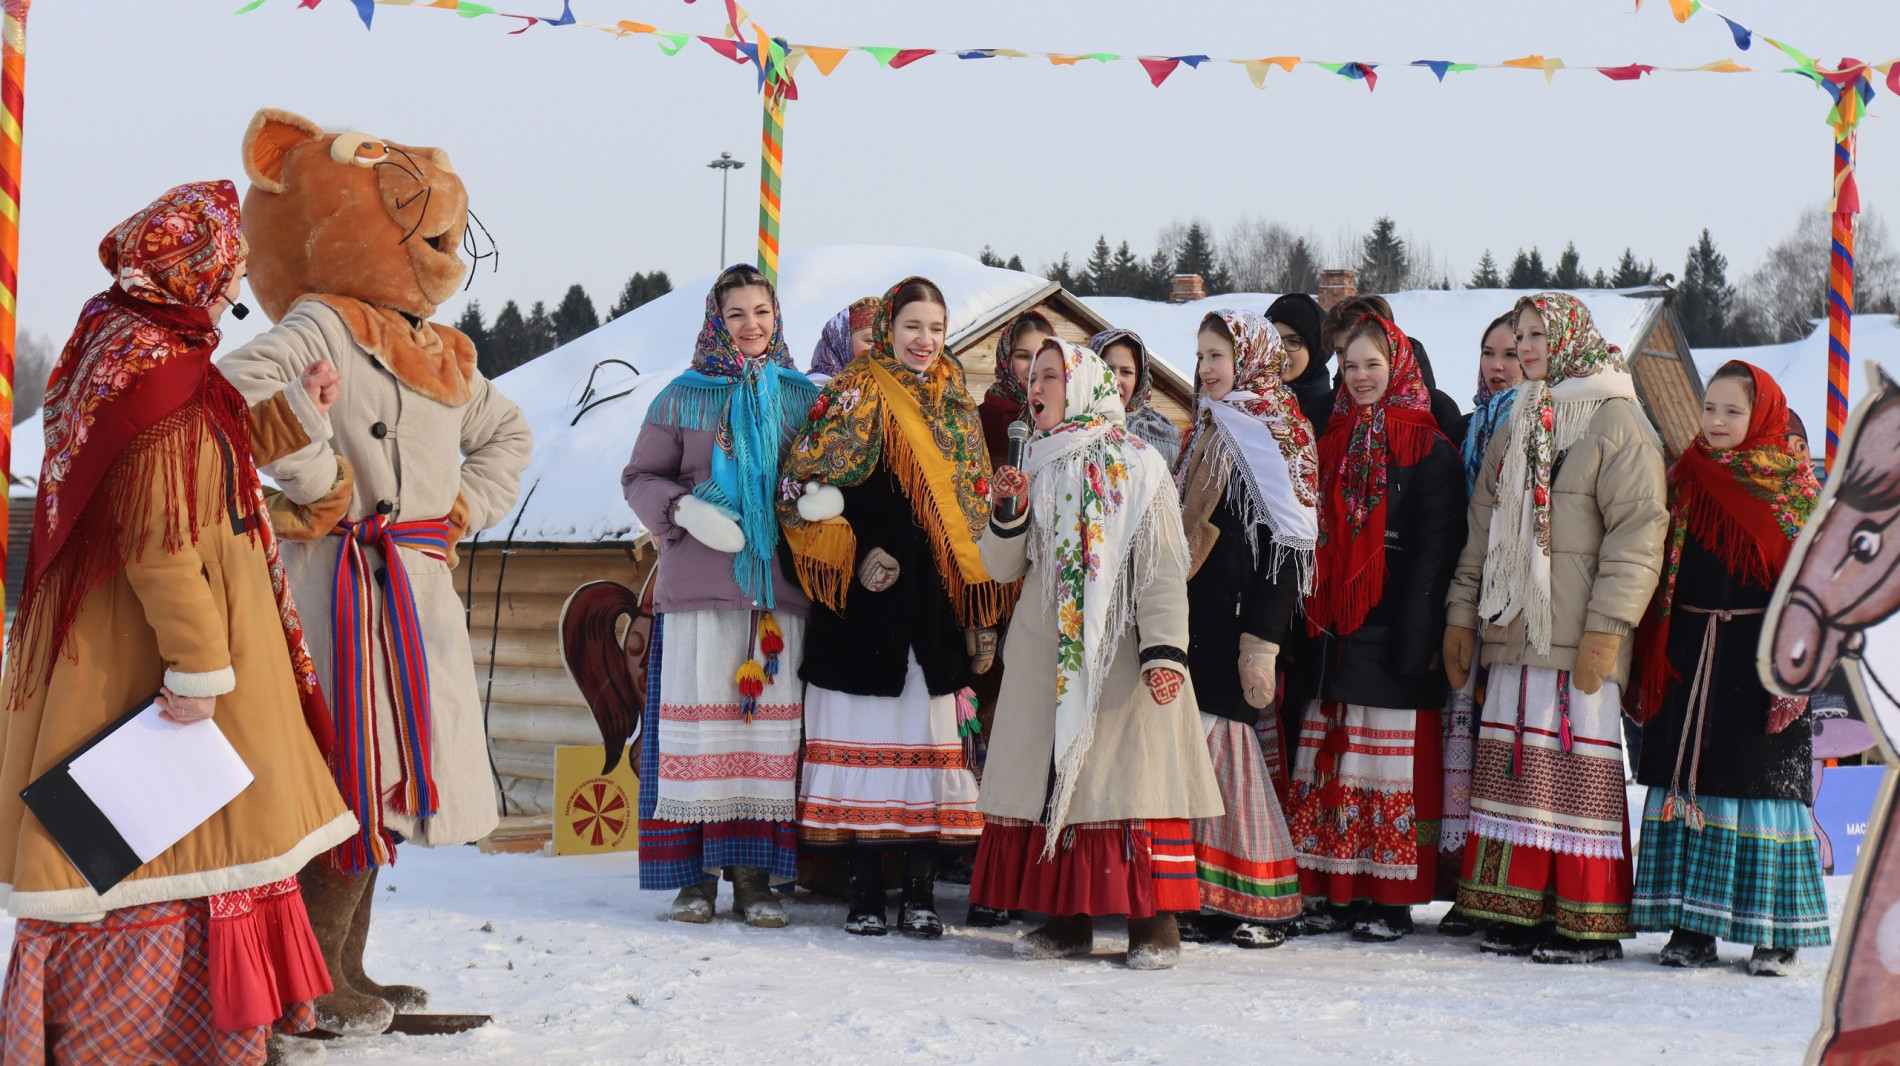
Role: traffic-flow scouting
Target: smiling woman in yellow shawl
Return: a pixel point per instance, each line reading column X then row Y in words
column 883, row 498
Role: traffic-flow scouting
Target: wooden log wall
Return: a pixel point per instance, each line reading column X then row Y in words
column 979, row 363
column 532, row 705
column 1663, row 381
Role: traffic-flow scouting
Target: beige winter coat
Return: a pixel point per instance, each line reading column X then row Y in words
column 423, row 456
column 1608, row 517
column 1147, row 760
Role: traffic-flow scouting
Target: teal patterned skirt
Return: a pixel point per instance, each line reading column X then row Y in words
column 1751, row 874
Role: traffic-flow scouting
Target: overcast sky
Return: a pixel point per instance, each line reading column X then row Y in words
column 585, row 155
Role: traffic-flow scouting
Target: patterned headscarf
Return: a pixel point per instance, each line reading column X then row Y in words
column 129, row 405
column 1143, row 420
column 1488, row 411
column 1257, row 431
column 1745, row 505
column 1355, row 458
column 833, row 350
column 752, row 406
column 1550, row 415
column 923, row 427
column 1007, row 387
column 1101, row 508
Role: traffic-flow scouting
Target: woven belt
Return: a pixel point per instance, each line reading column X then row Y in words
column 1698, row 714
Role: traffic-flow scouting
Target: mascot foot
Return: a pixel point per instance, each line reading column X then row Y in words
column 294, row 1051
column 406, row 999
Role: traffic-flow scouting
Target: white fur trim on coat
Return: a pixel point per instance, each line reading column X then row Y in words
column 201, row 686
column 316, row 424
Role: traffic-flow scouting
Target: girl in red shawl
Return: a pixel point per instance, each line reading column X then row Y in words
column 1728, row 850
column 1365, row 801
column 153, row 569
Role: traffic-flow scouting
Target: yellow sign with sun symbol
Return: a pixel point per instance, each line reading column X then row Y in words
column 594, row 813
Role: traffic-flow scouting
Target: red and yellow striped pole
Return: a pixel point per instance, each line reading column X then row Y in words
column 12, row 101
column 1840, row 295
column 771, row 168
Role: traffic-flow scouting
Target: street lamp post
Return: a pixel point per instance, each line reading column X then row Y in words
column 725, row 164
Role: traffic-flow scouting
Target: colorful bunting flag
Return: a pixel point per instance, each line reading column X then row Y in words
column 1441, row 67
column 826, row 58
column 1158, row 69
column 1628, row 73
column 1741, row 33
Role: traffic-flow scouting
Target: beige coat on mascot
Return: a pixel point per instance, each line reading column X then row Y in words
column 354, row 244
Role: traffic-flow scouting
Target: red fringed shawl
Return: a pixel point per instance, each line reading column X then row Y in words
column 1360, row 446
column 1745, row 505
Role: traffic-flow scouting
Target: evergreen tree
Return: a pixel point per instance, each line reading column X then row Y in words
column 1601, row 280
column 1706, row 300
column 471, row 326
column 1383, row 263
column 575, row 317
column 1569, row 273
column 1527, row 271
column 1196, row 256
column 640, row 289
column 1095, row 273
column 1015, row 262
column 1127, row 276
column 1630, row 274
column 539, row 331
column 1301, row 273
column 1486, row 276
column 989, row 258
column 1062, row 273
column 507, row 343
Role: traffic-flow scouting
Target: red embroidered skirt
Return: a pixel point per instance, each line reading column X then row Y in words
column 175, row 982
column 1588, row 897
column 1134, row 868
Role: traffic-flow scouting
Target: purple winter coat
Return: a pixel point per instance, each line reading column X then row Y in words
column 667, row 463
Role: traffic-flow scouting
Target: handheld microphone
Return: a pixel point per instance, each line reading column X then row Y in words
column 1018, row 440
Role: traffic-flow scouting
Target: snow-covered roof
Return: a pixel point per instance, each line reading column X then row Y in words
column 1447, row 322
column 29, row 446
column 575, row 473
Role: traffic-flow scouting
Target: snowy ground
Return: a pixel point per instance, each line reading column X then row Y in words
column 577, row 967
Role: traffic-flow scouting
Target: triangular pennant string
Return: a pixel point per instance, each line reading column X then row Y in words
column 1192, row 61
column 671, row 43
column 978, row 53
column 910, row 55
column 1437, row 66
column 826, row 59
column 364, row 10
column 729, row 49
column 1743, row 37
column 1158, row 69
column 1629, row 73
column 1682, row 9
column 883, row 55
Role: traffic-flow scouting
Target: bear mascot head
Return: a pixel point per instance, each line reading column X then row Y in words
column 370, row 227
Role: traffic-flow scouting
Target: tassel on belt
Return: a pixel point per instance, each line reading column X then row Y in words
column 1698, row 713
column 356, row 761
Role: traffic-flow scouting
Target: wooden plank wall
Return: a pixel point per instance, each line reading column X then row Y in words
column 533, row 704
column 979, row 361
column 1665, row 385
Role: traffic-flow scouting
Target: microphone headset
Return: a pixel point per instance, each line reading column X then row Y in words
column 238, row 310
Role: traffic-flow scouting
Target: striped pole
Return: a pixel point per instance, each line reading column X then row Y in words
column 12, row 101
column 1840, row 297
column 772, row 164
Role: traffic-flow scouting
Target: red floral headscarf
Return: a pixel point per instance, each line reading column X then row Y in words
column 130, row 400
column 1745, row 505
column 1360, row 445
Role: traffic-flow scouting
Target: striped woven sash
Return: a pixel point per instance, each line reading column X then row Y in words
column 357, row 761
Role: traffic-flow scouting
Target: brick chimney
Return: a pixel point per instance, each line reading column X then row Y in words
column 1336, row 285
column 1185, row 288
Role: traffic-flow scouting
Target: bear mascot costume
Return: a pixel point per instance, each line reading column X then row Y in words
column 354, row 243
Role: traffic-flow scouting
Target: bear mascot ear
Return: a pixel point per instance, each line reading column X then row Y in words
column 269, row 138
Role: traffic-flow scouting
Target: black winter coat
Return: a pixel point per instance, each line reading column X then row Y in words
column 1233, row 593
column 1389, row 660
column 1739, row 759
column 866, row 650
column 1314, row 390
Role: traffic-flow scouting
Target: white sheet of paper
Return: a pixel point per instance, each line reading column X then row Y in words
column 157, row 780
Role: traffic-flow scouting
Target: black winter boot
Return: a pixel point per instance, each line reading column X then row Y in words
column 1512, row 939
column 1688, row 950
column 864, row 914
column 918, row 916
column 1568, row 950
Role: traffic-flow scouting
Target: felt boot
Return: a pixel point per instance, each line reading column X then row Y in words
column 284, row 1050
column 695, row 902
column 1772, row 962
column 406, row 999
column 1154, row 943
column 1064, row 936
column 752, row 899
column 1566, row 950
column 1688, row 950
column 332, row 899
column 1512, row 939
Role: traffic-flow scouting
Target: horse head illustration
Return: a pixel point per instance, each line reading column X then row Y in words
column 1848, row 577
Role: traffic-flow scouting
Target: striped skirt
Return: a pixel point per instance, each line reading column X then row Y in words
column 885, row 771
column 715, row 790
column 1244, row 858
column 1752, row 874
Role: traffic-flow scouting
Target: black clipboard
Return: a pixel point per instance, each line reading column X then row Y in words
column 86, row 835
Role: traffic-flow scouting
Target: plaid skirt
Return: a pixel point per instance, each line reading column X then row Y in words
column 132, row 987
column 1244, row 858
column 1752, row 875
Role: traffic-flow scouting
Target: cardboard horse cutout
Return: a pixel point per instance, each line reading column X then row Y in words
column 1838, row 606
